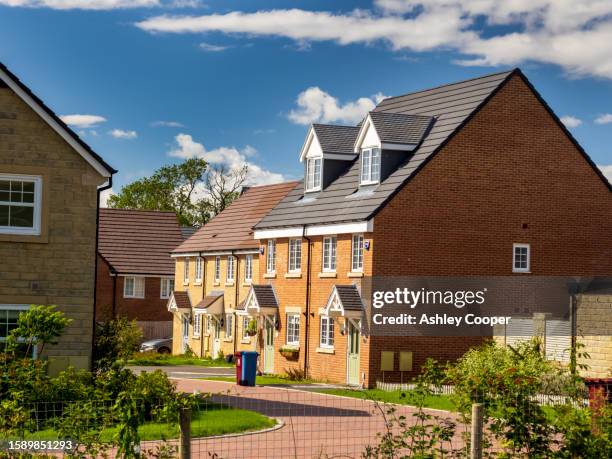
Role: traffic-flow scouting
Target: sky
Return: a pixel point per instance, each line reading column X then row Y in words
column 151, row 82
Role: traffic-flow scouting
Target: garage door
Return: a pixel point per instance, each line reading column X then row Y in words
column 519, row 330
column 558, row 340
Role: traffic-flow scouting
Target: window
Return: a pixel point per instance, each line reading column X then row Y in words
column 293, row 329
column 327, row 332
column 197, row 324
column 246, row 320
column 229, row 325
column 186, row 271
column 357, row 253
column 329, row 254
column 521, row 261
column 313, row 174
column 166, row 288
column 271, row 256
column 20, row 204
column 370, row 165
column 217, row 269
column 133, row 287
column 295, row 255
column 230, row 269
column 198, row 269
column 248, row 268
column 9, row 314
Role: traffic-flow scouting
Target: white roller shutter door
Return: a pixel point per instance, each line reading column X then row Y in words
column 558, row 340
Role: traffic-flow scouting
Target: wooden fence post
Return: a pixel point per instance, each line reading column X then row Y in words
column 477, row 434
column 185, row 434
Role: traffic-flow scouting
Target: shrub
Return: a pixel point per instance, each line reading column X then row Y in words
column 116, row 339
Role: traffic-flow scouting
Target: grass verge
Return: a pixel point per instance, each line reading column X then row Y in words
column 440, row 402
column 211, row 419
column 265, row 380
column 155, row 359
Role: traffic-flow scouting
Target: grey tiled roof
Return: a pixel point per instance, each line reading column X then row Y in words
column 349, row 297
column 342, row 201
column 400, row 127
column 336, row 139
column 266, row 298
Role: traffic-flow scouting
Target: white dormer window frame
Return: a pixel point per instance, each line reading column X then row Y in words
column 369, row 173
column 314, row 173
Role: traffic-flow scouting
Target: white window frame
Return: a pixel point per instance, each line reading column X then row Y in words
column 230, row 269
column 357, row 253
column 37, row 205
column 199, row 263
column 13, row 307
column 295, row 256
column 217, row 269
column 516, row 269
column 197, row 325
column 326, row 332
column 330, row 260
column 248, row 268
column 246, row 320
column 366, row 175
column 186, row 270
column 229, row 326
column 166, row 286
column 135, row 292
column 271, row 256
column 293, row 328
column 314, row 177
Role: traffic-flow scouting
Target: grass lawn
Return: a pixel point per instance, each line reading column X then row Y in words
column 264, row 380
column 211, row 419
column 440, row 402
column 155, row 359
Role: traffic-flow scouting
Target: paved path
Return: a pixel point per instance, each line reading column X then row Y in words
column 316, row 425
column 187, row 371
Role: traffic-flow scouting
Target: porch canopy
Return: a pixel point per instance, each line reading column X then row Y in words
column 344, row 301
column 212, row 304
column 261, row 300
column 179, row 302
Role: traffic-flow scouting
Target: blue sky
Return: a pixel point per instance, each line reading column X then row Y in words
column 159, row 80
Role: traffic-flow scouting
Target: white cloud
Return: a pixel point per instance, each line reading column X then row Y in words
column 606, row 118
column 210, row 48
column 161, row 123
column 82, row 4
column 573, row 35
column 121, row 134
column 264, row 131
column 316, row 105
column 229, row 157
column 104, row 196
column 607, row 171
column 571, row 121
column 82, row 121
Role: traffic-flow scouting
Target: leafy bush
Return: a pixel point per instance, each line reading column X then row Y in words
column 117, row 339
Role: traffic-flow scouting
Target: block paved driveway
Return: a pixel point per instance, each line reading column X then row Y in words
column 315, row 425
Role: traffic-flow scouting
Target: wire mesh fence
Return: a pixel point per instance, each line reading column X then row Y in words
column 265, row 422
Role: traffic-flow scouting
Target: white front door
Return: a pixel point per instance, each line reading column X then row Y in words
column 185, row 333
column 269, row 345
column 216, row 345
column 352, row 355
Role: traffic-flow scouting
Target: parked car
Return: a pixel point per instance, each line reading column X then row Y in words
column 163, row 346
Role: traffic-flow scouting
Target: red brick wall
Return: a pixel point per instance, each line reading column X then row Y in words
column 511, row 175
column 149, row 308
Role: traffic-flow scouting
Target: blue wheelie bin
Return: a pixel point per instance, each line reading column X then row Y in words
column 249, row 368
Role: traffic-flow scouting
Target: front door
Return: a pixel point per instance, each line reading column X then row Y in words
column 185, row 333
column 352, row 357
column 216, row 345
column 269, row 345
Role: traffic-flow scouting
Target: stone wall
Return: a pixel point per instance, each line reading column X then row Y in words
column 594, row 331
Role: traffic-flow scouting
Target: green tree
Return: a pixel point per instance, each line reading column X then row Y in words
column 174, row 188
column 39, row 325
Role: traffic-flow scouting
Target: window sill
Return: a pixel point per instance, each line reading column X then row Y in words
column 325, row 350
column 269, row 276
column 133, row 297
column 228, row 340
column 197, row 283
column 293, row 275
column 292, row 347
column 521, row 272
column 185, row 283
column 247, row 284
column 196, row 337
column 355, row 274
column 216, row 284
column 229, row 284
column 328, row 274
column 245, row 341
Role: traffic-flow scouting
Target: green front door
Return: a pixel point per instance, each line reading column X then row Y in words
column 269, row 345
column 352, row 359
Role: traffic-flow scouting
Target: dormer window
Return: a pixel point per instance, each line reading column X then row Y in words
column 370, row 166
column 313, row 174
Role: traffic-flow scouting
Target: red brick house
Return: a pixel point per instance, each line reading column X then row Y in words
column 135, row 275
column 476, row 178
